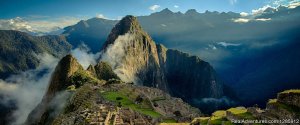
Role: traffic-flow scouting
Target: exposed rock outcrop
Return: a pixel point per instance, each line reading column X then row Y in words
column 133, row 54
column 286, row 106
column 135, row 57
column 290, row 97
column 104, row 71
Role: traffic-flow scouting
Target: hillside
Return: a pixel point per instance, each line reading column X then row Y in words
column 75, row 96
column 19, row 51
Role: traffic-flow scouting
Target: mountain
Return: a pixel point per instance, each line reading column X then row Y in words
column 136, row 58
column 19, row 50
column 162, row 26
column 273, row 71
column 133, row 54
column 130, row 59
column 76, row 96
column 92, row 32
column 244, row 54
column 67, row 67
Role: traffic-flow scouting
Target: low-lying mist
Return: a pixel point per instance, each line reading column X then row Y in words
column 27, row 88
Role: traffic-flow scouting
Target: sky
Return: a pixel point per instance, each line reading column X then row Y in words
column 66, row 12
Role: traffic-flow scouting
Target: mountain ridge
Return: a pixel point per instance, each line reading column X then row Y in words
column 154, row 65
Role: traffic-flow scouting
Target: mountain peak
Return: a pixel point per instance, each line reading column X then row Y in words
column 191, row 12
column 128, row 24
column 166, row 10
column 66, row 67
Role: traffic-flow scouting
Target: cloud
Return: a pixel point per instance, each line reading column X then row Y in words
column 287, row 3
column 262, row 10
column 232, row 2
column 15, row 24
column 84, row 56
column 176, row 6
column 115, row 55
column 241, row 20
column 243, row 14
column 163, row 25
column 154, row 7
column 212, row 46
column 263, row 19
column 101, row 16
column 218, row 100
column 293, row 5
column 37, row 24
column 225, row 44
column 27, row 88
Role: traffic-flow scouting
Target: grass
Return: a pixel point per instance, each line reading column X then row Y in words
column 237, row 110
column 290, row 91
column 126, row 102
column 218, row 121
column 272, row 101
column 241, row 112
column 71, row 88
column 246, row 115
column 218, row 115
column 204, row 120
column 169, row 121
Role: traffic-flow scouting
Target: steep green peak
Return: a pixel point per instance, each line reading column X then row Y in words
column 66, row 67
column 104, row 71
column 69, row 64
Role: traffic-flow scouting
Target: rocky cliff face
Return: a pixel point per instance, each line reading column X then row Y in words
column 190, row 77
column 136, row 58
column 133, row 54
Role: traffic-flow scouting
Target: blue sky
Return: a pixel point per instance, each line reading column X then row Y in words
column 117, row 8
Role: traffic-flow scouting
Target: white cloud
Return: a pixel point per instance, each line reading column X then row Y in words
column 232, row 2
column 287, row 3
column 154, row 7
column 176, row 6
column 212, row 46
column 34, row 24
column 243, row 14
column 241, row 20
column 163, row 25
column 101, row 16
column 84, row 56
column 115, row 54
column 261, row 10
column 263, row 19
column 294, row 5
column 27, row 88
column 225, row 44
